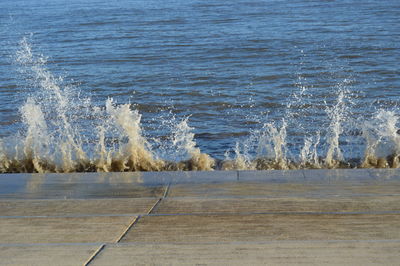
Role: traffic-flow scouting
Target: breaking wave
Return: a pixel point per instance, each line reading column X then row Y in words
column 65, row 132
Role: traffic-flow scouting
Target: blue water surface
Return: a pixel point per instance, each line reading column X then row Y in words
column 230, row 65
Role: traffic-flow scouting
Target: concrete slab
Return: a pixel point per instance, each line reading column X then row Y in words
column 271, row 189
column 79, row 185
column 62, row 230
column 280, row 217
column 57, row 207
column 199, row 177
column 237, row 189
column 152, row 184
column 385, row 174
column 249, row 205
column 272, row 253
column 139, row 178
column 61, row 255
column 80, row 191
column 318, row 176
column 392, row 189
column 10, row 183
column 338, row 176
column 274, row 176
column 355, row 176
column 179, row 177
column 228, row 228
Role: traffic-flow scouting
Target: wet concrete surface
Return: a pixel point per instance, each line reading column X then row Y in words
column 313, row 217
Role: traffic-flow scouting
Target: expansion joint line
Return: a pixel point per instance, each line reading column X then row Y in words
column 94, row 255
column 160, row 199
column 166, row 191
column 100, row 249
column 136, row 219
column 133, row 222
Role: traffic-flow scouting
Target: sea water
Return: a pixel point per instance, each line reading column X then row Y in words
column 198, row 85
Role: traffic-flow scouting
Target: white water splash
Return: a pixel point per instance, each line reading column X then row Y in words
column 309, row 153
column 57, row 136
column 272, row 144
column 183, row 140
column 336, row 114
column 135, row 155
column 36, row 144
column 382, row 140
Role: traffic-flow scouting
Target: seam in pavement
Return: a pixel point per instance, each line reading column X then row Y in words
column 71, row 216
column 166, row 191
column 136, row 220
column 159, row 200
column 111, row 244
column 52, row 244
column 257, row 242
column 273, row 213
column 154, row 206
column 203, row 213
column 308, row 196
column 94, row 255
column 133, row 222
column 101, row 248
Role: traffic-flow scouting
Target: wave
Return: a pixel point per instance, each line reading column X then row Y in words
column 65, row 132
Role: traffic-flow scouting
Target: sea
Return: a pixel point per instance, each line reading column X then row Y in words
column 151, row 85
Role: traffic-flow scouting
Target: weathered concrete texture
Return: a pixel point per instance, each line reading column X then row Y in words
column 259, row 189
column 278, row 205
column 256, row 227
column 385, row 174
column 63, row 230
column 56, row 207
column 339, row 175
column 79, row 185
column 85, row 191
column 279, row 176
column 61, row 255
column 338, row 217
column 322, row 176
column 273, row 253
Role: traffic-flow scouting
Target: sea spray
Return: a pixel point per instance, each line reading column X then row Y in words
column 56, row 107
column 104, row 160
column 134, row 155
column 3, row 158
column 382, row 139
column 271, row 151
column 336, row 116
column 191, row 156
column 309, row 153
column 270, row 146
column 36, row 143
column 241, row 160
column 63, row 132
column 267, row 148
column 53, row 141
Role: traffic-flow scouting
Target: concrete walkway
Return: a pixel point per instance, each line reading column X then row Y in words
column 308, row 217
